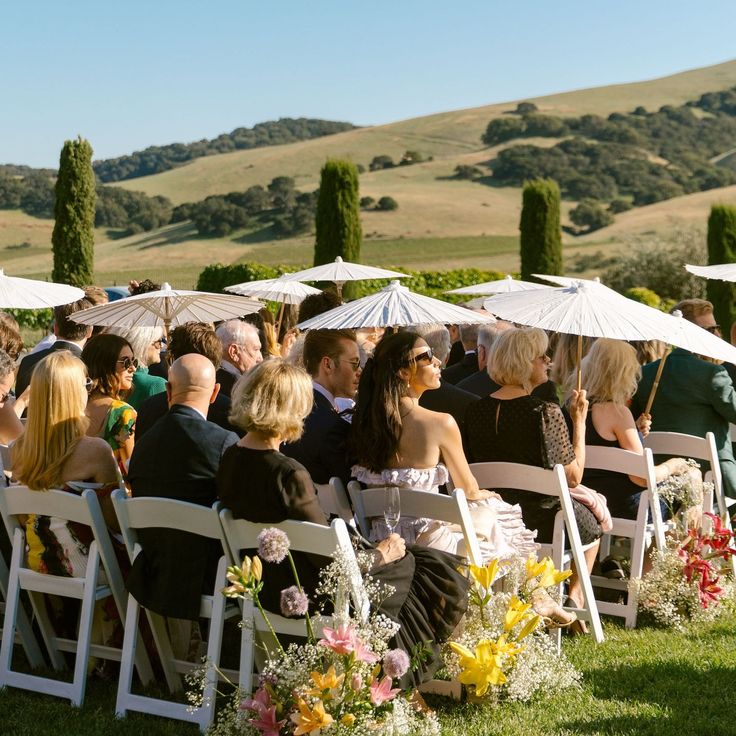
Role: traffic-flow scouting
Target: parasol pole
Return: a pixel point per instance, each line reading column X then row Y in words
column 655, row 385
column 278, row 320
column 580, row 362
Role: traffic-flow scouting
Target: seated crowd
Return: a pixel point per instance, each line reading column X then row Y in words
column 232, row 413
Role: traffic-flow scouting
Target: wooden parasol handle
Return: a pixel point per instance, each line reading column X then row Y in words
column 580, row 362
column 655, row 385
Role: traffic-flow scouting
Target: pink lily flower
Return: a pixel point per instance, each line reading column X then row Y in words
column 266, row 722
column 261, row 699
column 381, row 692
column 341, row 640
column 362, row 652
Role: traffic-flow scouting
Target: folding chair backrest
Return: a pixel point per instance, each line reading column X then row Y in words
column 303, row 536
column 520, row 477
column 369, row 502
column 333, row 500
column 163, row 513
column 5, row 458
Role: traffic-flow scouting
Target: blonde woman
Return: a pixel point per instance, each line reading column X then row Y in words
column 610, row 374
column 146, row 344
column 259, row 483
column 55, row 452
column 565, row 356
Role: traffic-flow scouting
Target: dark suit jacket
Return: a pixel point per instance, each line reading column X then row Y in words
column 466, row 367
column 25, row 370
column 457, row 351
column 226, row 380
column 694, row 397
column 151, row 410
column 322, row 449
column 177, row 458
column 481, row 384
column 450, row 400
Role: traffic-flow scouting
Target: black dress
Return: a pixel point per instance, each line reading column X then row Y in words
column 620, row 491
column 430, row 595
column 529, row 431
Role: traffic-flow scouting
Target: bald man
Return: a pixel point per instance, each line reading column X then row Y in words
column 178, row 458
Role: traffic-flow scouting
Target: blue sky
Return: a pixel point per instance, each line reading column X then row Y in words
column 131, row 74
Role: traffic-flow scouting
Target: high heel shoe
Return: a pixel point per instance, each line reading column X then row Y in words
column 552, row 613
column 578, row 626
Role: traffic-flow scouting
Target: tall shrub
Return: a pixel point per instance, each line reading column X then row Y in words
column 338, row 215
column 722, row 249
column 74, row 212
column 541, row 240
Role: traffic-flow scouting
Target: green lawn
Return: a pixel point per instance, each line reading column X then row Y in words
column 647, row 682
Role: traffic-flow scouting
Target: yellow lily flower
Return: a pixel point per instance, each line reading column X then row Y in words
column 257, row 568
column 546, row 572
column 310, row 721
column 518, row 611
column 325, row 683
column 534, row 567
column 506, row 648
column 348, row 720
column 529, row 627
column 484, row 576
column 480, row 668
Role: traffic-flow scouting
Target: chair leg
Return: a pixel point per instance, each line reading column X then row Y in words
column 130, row 642
column 247, row 642
column 166, row 654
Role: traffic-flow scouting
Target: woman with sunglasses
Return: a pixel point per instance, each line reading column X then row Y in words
column 111, row 366
column 146, row 343
column 398, row 442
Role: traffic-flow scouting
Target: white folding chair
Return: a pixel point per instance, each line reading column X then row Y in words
column 368, row 503
column 165, row 513
column 333, row 500
column 303, row 537
column 648, row 524
column 101, row 580
column 676, row 444
column 549, row 483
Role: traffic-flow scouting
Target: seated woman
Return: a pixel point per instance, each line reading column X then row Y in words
column 513, row 426
column 54, row 452
column 11, row 408
column 146, row 344
column 610, row 374
column 398, row 442
column 262, row 485
column 111, row 366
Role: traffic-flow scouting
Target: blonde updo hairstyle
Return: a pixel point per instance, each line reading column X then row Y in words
column 610, row 372
column 56, row 421
column 513, row 354
column 273, row 398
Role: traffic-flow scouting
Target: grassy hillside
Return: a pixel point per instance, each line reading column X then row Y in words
column 444, row 135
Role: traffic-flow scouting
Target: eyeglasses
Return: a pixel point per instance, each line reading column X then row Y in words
column 88, row 382
column 158, row 344
column 4, row 397
column 427, row 355
column 354, row 364
column 545, row 359
column 128, row 363
column 713, row 329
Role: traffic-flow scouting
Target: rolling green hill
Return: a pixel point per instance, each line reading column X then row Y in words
column 441, row 222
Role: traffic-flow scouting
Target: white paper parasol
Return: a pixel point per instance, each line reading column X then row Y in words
column 167, row 307
column 565, row 280
column 19, row 293
column 340, row 271
column 393, row 306
column 282, row 289
column 499, row 286
column 720, row 272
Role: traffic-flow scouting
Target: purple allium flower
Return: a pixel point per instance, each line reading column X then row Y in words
column 396, row 663
column 294, row 602
column 273, row 545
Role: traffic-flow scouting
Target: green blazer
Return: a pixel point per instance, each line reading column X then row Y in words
column 144, row 386
column 694, row 397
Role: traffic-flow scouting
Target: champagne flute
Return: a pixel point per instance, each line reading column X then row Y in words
column 391, row 507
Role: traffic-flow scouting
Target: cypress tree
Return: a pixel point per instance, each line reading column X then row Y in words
column 74, row 213
column 722, row 249
column 541, row 240
column 337, row 221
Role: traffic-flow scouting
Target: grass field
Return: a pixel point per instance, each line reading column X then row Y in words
column 647, row 682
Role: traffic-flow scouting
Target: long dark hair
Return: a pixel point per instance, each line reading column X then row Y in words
column 100, row 355
column 376, row 427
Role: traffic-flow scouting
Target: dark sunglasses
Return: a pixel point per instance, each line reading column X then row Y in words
column 713, row 329
column 427, row 355
column 128, row 363
column 88, row 383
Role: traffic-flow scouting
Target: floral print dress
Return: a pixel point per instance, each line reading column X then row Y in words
column 119, row 427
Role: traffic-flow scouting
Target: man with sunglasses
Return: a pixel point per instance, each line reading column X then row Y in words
column 332, row 358
column 694, row 396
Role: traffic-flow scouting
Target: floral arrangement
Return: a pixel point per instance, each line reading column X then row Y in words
column 342, row 682
column 691, row 577
column 501, row 650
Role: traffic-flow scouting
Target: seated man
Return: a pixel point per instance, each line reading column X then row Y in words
column 469, row 363
column 331, row 357
column 241, row 351
column 178, row 458
column 192, row 337
column 695, row 396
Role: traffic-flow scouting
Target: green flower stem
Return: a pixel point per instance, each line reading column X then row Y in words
column 307, row 619
column 257, row 601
